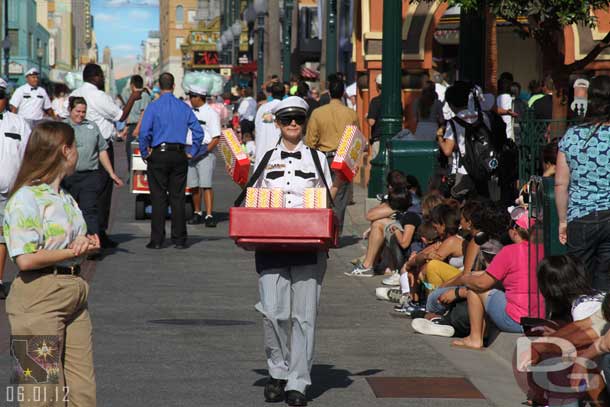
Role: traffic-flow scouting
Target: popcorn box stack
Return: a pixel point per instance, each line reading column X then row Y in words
column 237, row 161
column 315, row 198
column 349, row 152
column 264, row 198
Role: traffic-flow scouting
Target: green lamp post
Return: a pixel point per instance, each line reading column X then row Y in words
column 331, row 37
column 287, row 31
column 391, row 109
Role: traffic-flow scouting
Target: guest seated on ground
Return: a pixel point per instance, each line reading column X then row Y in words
column 511, row 267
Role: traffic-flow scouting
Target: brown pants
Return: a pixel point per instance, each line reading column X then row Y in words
column 51, row 341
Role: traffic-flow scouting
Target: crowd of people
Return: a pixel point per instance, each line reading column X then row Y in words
column 463, row 259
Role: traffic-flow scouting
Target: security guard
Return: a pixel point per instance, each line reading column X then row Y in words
column 290, row 283
column 162, row 144
column 31, row 101
column 84, row 183
column 201, row 168
column 14, row 136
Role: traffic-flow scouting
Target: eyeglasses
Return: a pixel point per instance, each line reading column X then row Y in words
column 287, row 120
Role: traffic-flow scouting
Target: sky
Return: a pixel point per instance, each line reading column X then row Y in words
column 122, row 25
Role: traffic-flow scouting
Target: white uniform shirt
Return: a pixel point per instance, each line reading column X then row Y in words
column 293, row 175
column 247, row 109
column 101, row 109
column 267, row 133
column 14, row 136
column 30, row 102
column 505, row 101
column 209, row 120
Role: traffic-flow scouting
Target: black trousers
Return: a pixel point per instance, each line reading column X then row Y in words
column 128, row 141
column 104, row 199
column 167, row 181
column 84, row 187
column 341, row 199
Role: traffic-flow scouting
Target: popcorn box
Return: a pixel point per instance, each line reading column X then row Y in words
column 349, row 152
column 264, row 198
column 277, row 198
column 251, row 198
column 237, row 161
column 314, row 198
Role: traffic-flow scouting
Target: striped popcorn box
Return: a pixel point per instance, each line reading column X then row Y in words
column 251, row 198
column 277, row 198
column 314, row 198
column 237, row 162
column 264, row 198
column 349, row 152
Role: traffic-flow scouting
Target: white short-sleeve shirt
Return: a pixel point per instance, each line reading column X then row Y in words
column 30, row 102
column 209, row 120
column 267, row 133
column 468, row 116
column 14, row 136
column 101, row 109
column 505, row 101
column 293, row 175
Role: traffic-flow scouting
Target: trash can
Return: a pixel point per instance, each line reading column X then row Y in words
column 416, row 158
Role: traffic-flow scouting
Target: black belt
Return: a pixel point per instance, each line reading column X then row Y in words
column 169, row 147
column 74, row 270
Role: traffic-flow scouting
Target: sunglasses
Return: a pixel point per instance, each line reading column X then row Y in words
column 287, row 120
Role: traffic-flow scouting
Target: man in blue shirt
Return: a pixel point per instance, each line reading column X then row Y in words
column 163, row 145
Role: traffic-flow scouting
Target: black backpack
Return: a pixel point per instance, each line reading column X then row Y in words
column 488, row 151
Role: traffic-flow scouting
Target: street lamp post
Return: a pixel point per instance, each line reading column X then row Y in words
column 390, row 122
column 287, row 28
column 236, row 31
column 40, row 54
column 331, row 37
column 260, row 6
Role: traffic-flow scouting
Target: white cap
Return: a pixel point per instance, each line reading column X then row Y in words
column 291, row 104
column 378, row 80
column 3, row 83
column 198, row 90
column 32, row 71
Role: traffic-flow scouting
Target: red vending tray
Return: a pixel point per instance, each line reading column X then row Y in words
column 283, row 229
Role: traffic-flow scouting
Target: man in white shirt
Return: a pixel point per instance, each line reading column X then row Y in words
column 247, row 106
column 14, row 136
column 102, row 110
column 31, row 101
column 201, row 168
column 267, row 134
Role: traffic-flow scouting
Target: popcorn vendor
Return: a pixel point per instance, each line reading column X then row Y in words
column 290, row 283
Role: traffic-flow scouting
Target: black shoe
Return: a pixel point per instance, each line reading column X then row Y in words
column 195, row 220
column 274, row 390
column 3, row 291
column 153, row 245
column 106, row 242
column 210, row 222
column 295, row 398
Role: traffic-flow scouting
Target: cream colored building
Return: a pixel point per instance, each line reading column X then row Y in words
column 176, row 19
column 60, row 27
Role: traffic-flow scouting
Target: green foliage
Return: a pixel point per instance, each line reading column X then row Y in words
column 548, row 14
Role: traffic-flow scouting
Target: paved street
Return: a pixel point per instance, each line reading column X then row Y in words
column 178, row 328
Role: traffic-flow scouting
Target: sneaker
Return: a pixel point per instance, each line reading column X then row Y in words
column 210, row 222
column 393, row 280
column 360, row 271
column 432, row 327
column 195, row 220
column 409, row 307
column 395, row 295
column 382, row 293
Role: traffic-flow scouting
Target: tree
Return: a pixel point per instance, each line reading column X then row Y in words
column 546, row 21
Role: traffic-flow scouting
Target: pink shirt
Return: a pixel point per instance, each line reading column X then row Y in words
column 510, row 266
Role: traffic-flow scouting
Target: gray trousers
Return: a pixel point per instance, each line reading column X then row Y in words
column 341, row 199
column 289, row 286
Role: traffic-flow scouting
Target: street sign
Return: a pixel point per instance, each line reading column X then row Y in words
column 15, row 69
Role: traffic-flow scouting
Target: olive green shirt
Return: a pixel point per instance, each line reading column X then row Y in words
column 138, row 106
column 89, row 143
column 326, row 125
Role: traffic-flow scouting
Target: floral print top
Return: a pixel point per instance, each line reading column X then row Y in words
column 39, row 218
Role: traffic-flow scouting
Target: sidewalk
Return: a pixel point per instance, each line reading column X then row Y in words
column 178, row 328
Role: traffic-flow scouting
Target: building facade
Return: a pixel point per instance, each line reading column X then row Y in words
column 81, row 12
column 176, row 19
column 151, row 48
column 29, row 40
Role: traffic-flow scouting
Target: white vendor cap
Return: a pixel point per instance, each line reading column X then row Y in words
column 32, row 71
column 291, row 104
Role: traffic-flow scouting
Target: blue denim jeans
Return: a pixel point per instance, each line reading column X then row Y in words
column 432, row 304
column 589, row 240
